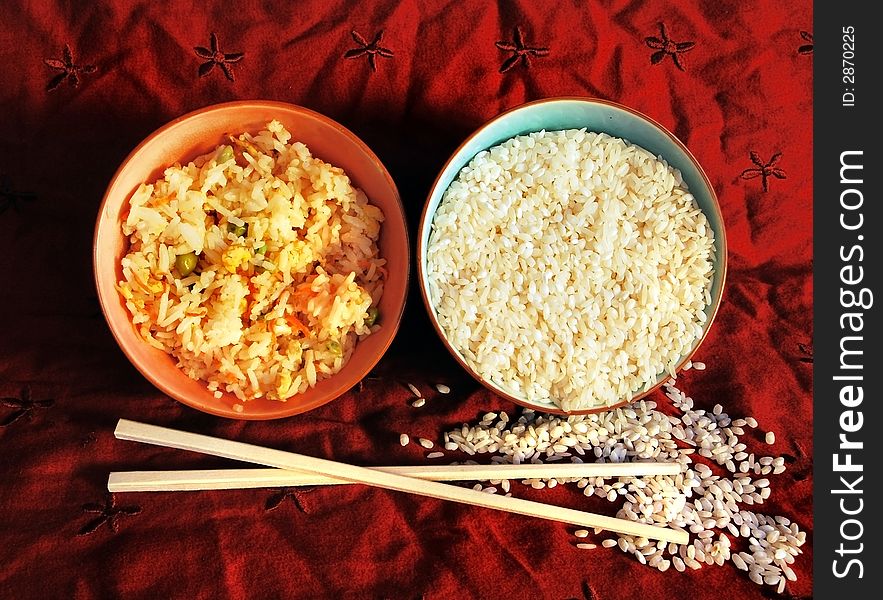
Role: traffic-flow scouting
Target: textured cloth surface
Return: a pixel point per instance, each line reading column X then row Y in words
column 83, row 83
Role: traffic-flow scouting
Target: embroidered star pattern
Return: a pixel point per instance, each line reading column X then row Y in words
column 69, row 71
column 287, row 493
column 807, row 352
column 372, row 50
column 521, row 52
column 89, row 439
column 108, row 513
column 12, row 198
column 215, row 58
column 764, row 170
column 665, row 46
column 23, row 407
column 808, row 47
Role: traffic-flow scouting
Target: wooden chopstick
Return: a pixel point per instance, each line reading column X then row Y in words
column 161, row 436
column 230, row 479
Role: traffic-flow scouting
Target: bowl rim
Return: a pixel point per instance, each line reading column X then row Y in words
column 424, row 223
column 285, row 409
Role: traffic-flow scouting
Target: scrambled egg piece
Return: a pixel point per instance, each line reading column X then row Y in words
column 155, row 285
column 235, row 257
column 284, row 383
column 126, row 292
column 301, row 256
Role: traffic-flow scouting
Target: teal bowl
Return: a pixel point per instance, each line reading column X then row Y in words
column 595, row 115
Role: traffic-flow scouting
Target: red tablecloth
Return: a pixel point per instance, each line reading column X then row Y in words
column 83, row 83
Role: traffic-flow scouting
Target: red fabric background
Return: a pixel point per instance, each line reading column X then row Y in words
column 746, row 88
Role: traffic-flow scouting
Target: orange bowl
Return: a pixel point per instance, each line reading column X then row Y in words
column 200, row 132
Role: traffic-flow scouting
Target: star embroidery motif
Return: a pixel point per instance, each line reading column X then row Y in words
column 89, row 439
column 287, row 493
column 764, row 170
column 214, row 57
column 665, row 46
column 23, row 406
column 806, row 48
column 12, row 198
column 807, row 351
column 69, row 71
column 521, row 52
column 108, row 513
column 372, row 50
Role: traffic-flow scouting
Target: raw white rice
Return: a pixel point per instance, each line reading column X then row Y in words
column 707, row 504
column 571, row 267
column 288, row 273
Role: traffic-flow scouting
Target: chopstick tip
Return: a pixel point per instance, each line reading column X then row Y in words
column 120, row 426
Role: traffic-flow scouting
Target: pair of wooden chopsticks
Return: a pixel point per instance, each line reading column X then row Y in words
column 298, row 469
